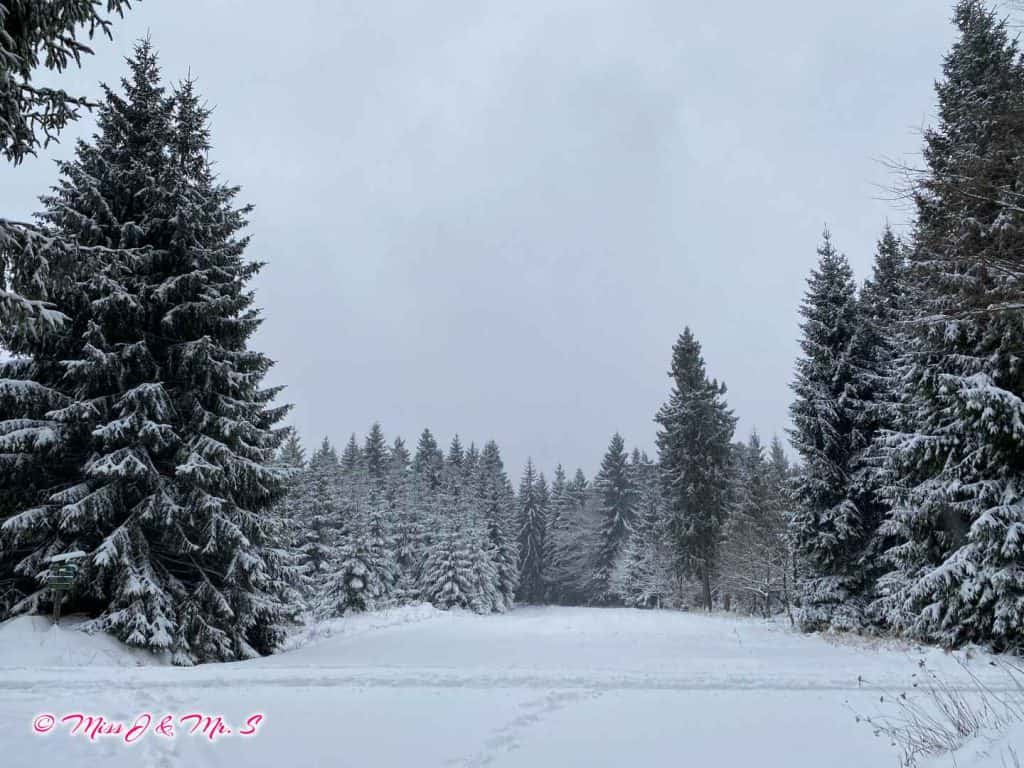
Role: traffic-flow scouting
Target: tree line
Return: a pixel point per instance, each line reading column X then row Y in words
column 378, row 524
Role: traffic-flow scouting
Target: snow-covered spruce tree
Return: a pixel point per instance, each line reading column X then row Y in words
column 292, row 455
column 358, row 578
column 410, row 551
column 315, row 506
column 362, row 572
column 428, row 462
column 353, row 467
column 496, row 508
column 283, row 525
column 458, row 572
column 781, row 475
column 829, row 529
column 583, row 547
column 452, row 478
column 695, row 457
column 876, row 349
column 557, row 539
column 37, row 35
column 470, row 463
column 614, row 485
column 959, row 506
column 755, row 569
column 532, row 526
column 643, row 575
column 488, row 592
column 375, row 455
column 160, row 447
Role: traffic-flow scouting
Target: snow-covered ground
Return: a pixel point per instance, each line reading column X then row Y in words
column 418, row 687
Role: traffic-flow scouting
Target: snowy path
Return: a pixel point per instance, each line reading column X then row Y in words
column 537, row 687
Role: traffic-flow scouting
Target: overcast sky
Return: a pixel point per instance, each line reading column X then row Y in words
column 494, row 218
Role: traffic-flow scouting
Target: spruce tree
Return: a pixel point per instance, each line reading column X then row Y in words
column 881, row 309
column 316, row 505
column 353, row 464
column 557, row 541
column 617, row 492
column 428, row 463
column 830, row 529
column 161, row 447
column 410, row 549
column 756, row 558
column 958, row 503
column 643, row 575
column 532, row 525
column 375, row 455
column 695, row 457
column 292, row 454
column 496, row 502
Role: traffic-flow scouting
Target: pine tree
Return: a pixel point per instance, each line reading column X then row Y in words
column 618, row 509
column 958, row 503
column 532, row 524
column 160, row 452
column 695, row 455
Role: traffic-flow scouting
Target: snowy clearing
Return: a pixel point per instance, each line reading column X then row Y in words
column 421, row 687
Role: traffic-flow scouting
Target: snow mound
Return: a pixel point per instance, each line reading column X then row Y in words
column 989, row 750
column 34, row 641
column 361, row 623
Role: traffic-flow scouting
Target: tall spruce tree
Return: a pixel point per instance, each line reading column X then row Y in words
column 830, row 529
column 496, row 501
column 532, row 528
column 881, row 311
column 614, row 484
column 558, row 543
column 159, row 436
column 695, row 455
column 958, row 501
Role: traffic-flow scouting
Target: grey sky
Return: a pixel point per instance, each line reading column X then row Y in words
column 494, row 218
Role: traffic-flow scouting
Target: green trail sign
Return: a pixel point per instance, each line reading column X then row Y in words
column 61, row 578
